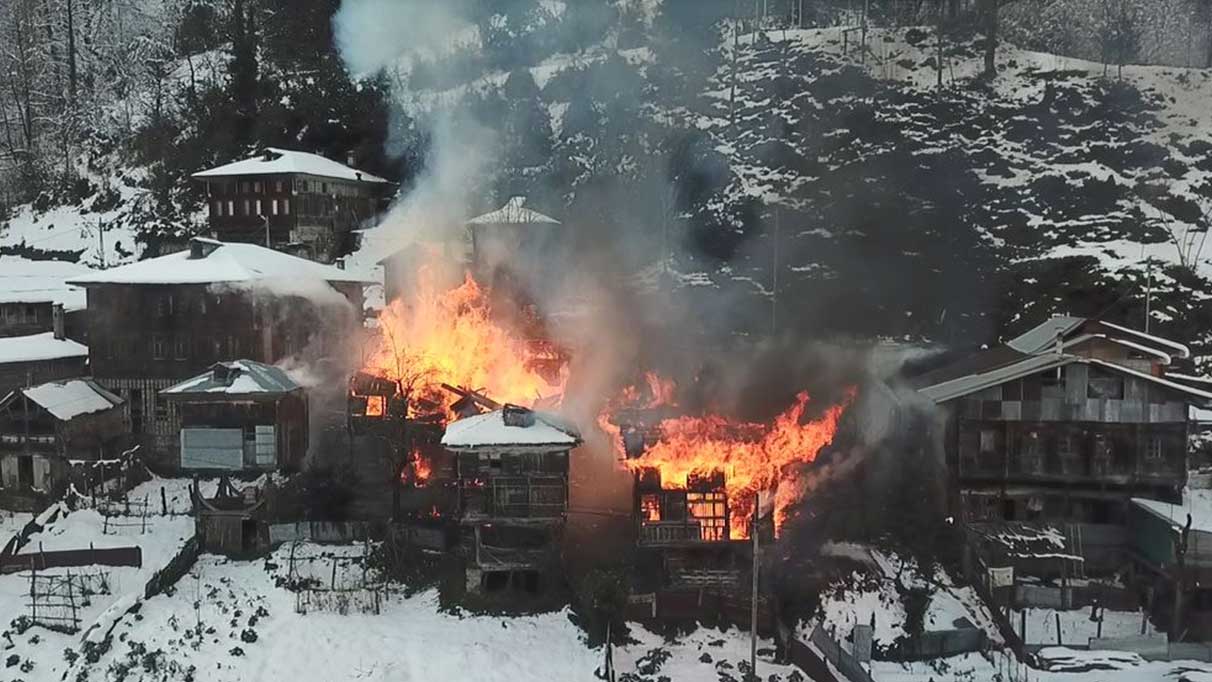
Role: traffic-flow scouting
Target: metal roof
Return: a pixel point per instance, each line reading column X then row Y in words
column 239, row 377
column 1044, row 334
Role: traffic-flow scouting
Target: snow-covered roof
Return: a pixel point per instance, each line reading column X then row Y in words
column 489, row 429
column 1197, row 503
column 1140, row 348
column 275, row 161
column 1174, row 347
column 513, row 212
column 972, row 383
column 239, row 377
column 40, row 281
column 68, row 399
column 209, row 261
column 38, row 347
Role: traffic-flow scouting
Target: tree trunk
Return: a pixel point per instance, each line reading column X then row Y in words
column 991, row 8
column 71, row 56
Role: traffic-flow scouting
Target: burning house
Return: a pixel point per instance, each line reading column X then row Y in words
column 291, row 200
column 160, row 321
column 511, row 469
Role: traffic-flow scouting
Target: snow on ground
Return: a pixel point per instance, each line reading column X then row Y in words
column 78, row 229
column 39, row 651
column 1071, row 666
column 250, row 631
column 11, row 522
column 1076, row 628
column 865, row 597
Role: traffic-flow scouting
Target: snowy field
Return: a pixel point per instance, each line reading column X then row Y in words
column 250, row 631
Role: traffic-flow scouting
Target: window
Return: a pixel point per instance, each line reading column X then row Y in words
column 164, row 306
column 324, row 188
column 1155, row 451
column 273, row 207
column 1105, row 387
column 259, row 207
column 247, row 207
column 231, row 207
column 256, row 188
column 181, row 347
column 278, row 186
column 988, row 440
column 159, row 347
column 161, row 407
column 218, row 209
column 286, row 207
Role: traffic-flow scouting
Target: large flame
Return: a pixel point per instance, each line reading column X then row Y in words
column 752, row 457
column 431, row 337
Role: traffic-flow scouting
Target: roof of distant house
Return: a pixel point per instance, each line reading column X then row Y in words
column 39, row 347
column 40, row 281
column 275, row 161
column 68, row 399
column 489, row 429
column 209, row 261
column 238, row 377
column 1043, row 337
column 1197, row 503
column 980, row 379
column 513, row 212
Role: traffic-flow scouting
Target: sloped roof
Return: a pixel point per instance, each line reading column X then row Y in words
column 513, row 212
column 37, row 347
column 220, row 262
column 489, row 429
column 1043, row 335
column 68, row 399
column 239, row 377
column 972, row 383
column 23, row 280
column 276, row 161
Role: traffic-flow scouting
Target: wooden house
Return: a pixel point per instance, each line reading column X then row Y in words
column 240, row 416
column 47, row 428
column 38, row 358
column 511, row 471
column 292, row 200
column 35, row 298
column 1063, row 426
column 160, row 321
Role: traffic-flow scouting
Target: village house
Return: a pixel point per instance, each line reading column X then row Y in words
column 511, row 471
column 49, row 429
column 35, row 298
column 38, row 358
column 157, row 322
column 240, row 416
column 293, row 201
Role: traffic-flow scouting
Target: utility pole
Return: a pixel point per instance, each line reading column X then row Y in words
column 753, row 597
column 1148, row 292
column 774, row 285
column 101, row 242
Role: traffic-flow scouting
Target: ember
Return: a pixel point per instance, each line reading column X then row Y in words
column 748, row 457
column 451, row 337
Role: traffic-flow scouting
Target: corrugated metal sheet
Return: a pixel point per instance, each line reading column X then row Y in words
column 212, row 449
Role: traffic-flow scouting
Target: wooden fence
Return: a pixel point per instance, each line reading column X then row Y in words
column 71, row 558
column 174, row 570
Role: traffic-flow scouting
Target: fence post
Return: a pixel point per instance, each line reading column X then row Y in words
column 33, row 592
column 332, row 583
column 163, row 502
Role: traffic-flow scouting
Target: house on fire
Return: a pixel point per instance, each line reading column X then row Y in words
column 511, row 473
column 240, row 416
column 158, row 322
column 1062, row 427
column 47, row 429
column 292, row 200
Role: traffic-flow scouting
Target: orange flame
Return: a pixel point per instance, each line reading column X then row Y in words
column 752, row 457
column 450, row 337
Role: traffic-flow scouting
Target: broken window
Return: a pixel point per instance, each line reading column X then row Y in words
column 1105, row 387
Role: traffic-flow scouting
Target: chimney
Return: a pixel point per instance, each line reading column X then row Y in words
column 514, row 415
column 201, row 248
column 58, row 321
